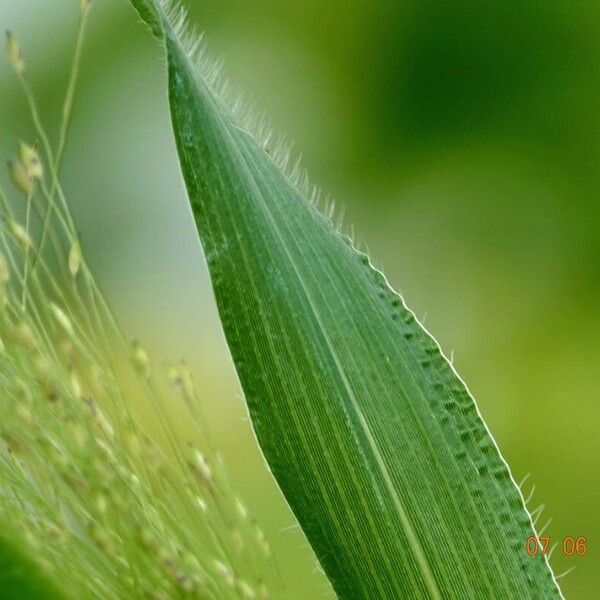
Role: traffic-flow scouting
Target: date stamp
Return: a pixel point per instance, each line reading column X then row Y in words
column 573, row 546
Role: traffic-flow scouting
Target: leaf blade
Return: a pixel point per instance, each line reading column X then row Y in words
column 373, row 438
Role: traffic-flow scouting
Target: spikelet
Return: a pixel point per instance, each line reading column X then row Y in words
column 21, row 178
column 74, row 259
column 20, row 234
column 31, row 161
column 224, row 573
column 62, row 319
column 201, row 468
column 140, row 360
column 15, row 56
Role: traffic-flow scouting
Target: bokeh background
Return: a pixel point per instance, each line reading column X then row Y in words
column 463, row 140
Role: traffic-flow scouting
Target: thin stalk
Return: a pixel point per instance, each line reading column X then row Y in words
column 67, row 111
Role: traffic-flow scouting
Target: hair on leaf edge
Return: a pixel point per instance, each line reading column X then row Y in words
column 241, row 109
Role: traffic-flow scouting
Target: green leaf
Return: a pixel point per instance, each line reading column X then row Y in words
column 21, row 578
column 373, row 438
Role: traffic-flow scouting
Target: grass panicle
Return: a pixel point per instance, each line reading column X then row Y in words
column 85, row 493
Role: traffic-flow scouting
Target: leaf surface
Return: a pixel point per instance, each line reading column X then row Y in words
column 375, row 441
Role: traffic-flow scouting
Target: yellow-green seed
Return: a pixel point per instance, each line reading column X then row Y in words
column 101, row 504
column 74, row 259
column 20, row 234
column 140, row 359
column 61, row 318
column 246, row 591
column 75, row 385
column 15, row 55
column 201, row 504
column 21, row 177
column 31, row 161
column 224, row 573
column 101, row 538
column 241, row 509
column 263, row 542
column 201, row 468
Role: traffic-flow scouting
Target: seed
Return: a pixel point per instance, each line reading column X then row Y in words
column 21, row 177
column 187, row 383
column 101, row 538
column 107, row 450
column 15, row 55
column 140, row 359
column 224, row 573
column 75, row 385
column 31, row 160
column 54, row 532
column 245, row 590
column 241, row 509
column 74, row 259
column 201, row 503
column 201, row 467
column 102, row 504
column 99, row 419
column 46, row 378
column 263, row 542
column 167, row 562
column 61, row 318
column 20, row 234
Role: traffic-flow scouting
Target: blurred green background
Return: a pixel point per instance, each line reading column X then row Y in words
column 463, row 141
